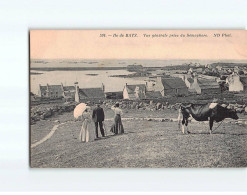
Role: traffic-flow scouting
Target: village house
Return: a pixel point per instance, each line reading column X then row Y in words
column 68, row 92
column 153, row 95
column 56, row 91
column 132, row 92
column 237, row 83
column 170, row 86
column 150, row 83
column 236, row 69
column 188, row 80
column 140, row 91
column 209, row 66
column 198, row 70
column 190, row 71
column 51, row 91
column 72, row 93
column 89, row 94
column 114, row 95
column 219, row 68
column 205, row 86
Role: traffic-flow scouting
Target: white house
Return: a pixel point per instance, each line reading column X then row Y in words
column 219, row 68
column 132, row 92
column 188, row 80
column 237, row 83
column 208, row 66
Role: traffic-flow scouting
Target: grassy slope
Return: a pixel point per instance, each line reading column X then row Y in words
column 145, row 144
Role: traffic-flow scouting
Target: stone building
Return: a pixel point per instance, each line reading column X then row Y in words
column 89, row 94
column 237, row 83
column 171, row 86
column 132, row 92
column 72, row 93
column 205, row 86
column 51, row 91
column 140, row 91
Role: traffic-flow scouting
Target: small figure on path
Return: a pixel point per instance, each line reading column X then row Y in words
column 117, row 127
column 98, row 118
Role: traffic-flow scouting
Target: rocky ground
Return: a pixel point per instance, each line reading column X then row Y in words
column 146, row 143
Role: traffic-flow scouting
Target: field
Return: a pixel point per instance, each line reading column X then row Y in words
column 145, row 144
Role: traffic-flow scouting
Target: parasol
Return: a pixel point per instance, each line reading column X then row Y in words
column 79, row 109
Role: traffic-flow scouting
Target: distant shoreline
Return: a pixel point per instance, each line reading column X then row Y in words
column 76, row 68
column 35, row 73
column 171, row 67
column 84, row 64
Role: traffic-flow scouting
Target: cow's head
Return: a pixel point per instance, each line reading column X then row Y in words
column 233, row 114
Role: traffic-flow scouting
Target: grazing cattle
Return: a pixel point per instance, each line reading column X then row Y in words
column 206, row 112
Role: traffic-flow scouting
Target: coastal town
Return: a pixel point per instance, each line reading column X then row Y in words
column 193, row 79
column 118, row 103
column 150, row 112
column 162, row 87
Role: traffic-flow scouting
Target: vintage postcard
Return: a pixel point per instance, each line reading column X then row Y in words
column 138, row 98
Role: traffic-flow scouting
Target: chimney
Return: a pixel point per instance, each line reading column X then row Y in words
column 62, row 86
column 47, row 87
column 103, row 87
column 77, row 98
column 39, row 92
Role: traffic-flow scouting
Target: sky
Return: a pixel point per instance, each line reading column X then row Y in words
column 88, row 44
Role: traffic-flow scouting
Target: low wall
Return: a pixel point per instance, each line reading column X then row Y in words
column 153, row 105
column 42, row 112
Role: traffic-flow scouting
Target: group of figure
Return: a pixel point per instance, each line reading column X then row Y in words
column 98, row 117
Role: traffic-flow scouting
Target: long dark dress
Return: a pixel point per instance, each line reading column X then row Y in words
column 117, row 127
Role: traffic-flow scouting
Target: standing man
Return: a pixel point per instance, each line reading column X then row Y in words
column 98, row 118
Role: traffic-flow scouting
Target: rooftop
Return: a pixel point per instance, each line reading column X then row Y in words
column 91, row 93
column 173, row 83
column 208, row 84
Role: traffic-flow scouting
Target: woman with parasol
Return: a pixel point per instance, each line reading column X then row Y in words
column 83, row 111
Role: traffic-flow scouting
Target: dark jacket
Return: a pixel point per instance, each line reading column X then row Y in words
column 98, row 114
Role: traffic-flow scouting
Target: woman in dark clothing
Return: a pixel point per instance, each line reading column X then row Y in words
column 117, row 127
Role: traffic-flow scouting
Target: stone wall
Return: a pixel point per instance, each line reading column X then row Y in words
column 42, row 112
column 162, row 105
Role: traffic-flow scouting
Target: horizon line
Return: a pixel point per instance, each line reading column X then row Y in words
column 130, row 59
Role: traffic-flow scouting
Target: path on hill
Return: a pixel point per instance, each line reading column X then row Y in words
column 145, row 144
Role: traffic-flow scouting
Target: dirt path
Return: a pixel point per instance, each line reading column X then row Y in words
column 48, row 136
column 145, row 144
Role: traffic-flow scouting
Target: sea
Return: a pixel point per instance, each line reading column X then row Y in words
column 85, row 79
column 95, row 78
